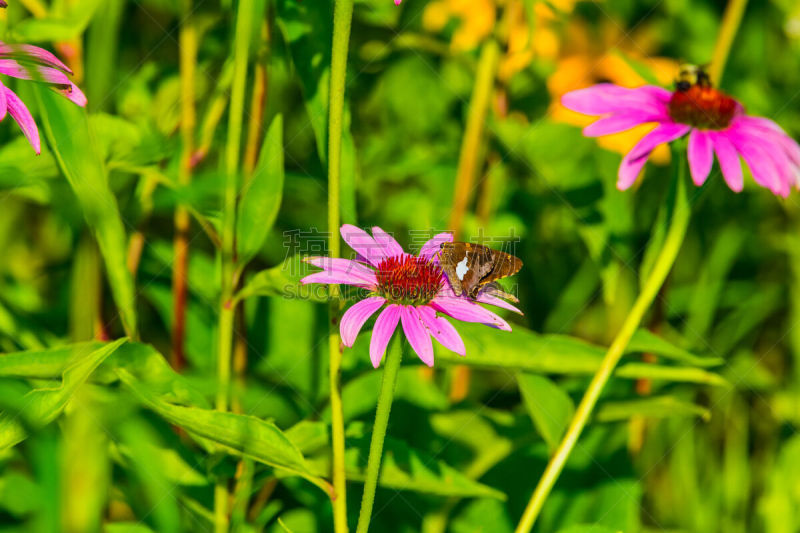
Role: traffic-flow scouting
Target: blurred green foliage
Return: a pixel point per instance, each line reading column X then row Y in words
column 103, row 435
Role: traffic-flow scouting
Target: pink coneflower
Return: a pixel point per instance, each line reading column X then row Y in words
column 28, row 62
column 414, row 287
column 715, row 122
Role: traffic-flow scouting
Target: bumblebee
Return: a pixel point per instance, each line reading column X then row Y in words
column 691, row 75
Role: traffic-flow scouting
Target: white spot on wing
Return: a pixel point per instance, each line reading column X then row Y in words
column 462, row 268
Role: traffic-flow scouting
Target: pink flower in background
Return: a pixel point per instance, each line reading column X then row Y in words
column 715, row 122
column 28, row 62
column 413, row 289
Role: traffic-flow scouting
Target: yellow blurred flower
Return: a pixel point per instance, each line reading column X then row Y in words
column 475, row 18
column 475, row 21
column 587, row 62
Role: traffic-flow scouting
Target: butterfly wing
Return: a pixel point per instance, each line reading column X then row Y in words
column 449, row 263
column 502, row 266
column 480, row 263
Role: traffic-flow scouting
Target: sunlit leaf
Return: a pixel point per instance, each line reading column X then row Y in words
column 51, row 28
column 524, row 350
column 549, row 407
column 647, row 342
column 42, row 406
column 654, row 407
column 247, row 435
column 261, row 197
column 68, row 134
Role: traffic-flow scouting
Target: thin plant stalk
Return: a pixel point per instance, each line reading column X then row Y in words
column 251, row 152
column 393, row 357
column 342, row 18
column 731, row 21
column 663, row 264
column 245, row 470
column 218, row 102
column 241, row 46
column 469, row 159
column 147, row 187
column 187, row 44
column 469, row 163
column 257, row 106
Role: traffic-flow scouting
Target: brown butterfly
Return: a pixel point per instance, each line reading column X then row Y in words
column 471, row 267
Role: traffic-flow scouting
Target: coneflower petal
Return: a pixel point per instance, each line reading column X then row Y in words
column 12, row 68
column 433, row 245
column 32, row 53
column 362, row 243
column 634, row 161
column 382, row 333
column 417, row 334
column 356, row 316
column 700, row 155
column 390, row 246
column 442, row 330
column 729, row 161
column 20, row 113
column 468, row 311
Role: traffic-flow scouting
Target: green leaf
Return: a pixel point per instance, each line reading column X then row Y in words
column 573, row 298
column 548, row 405
column 309, row 436
column 492, row 437
column 126, row 527
column 646, row 341
column 749, row 314
column 589, row 528
column 403, row 468
column 283, row 280
column 67, row 131
column 524, row 350
column 654, row 407
column 711, row 281
column 43, row 364
column 481, row 515
column 42, row 406
column 71, row 25
column 87, row 473
column 779, row 504
column 19, row 495
column 670, row 373
column 143, row 447
column 261, row 198
column 142, row 360
column 611, row 503
column 137, row 441
column 246, row 435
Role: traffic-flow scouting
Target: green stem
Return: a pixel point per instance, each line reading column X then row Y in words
column 342, row 18
column 469, row 159
column 244, row 17
column 731, row 21
column 188, row 60
column 650, row 288
column 393, row 357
